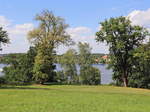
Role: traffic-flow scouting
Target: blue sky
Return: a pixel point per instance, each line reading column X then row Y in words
column 76, row 12
column 79, row 14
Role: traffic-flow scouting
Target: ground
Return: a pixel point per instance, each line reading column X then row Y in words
column 73, row 99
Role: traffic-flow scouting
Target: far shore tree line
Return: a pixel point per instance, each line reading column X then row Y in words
column 129, row 55
column 97, row 58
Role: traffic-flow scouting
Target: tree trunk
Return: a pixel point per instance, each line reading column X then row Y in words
column 125, row 81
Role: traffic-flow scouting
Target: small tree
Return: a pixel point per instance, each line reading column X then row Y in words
column 61, row 77
column 15, row 73
column 88, row 74
column 20, row 70
column 122, row 38
column 68, row 62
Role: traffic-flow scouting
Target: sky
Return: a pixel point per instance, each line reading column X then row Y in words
column 83, row 17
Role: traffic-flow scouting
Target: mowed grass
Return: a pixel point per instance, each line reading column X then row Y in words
column 73, row 99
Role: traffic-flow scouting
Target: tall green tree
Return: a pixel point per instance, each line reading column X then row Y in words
column 68, row 63
column 88, row 74
column 50, row 33
column 122, row 38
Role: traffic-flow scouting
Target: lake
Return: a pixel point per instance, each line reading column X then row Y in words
column 106, row 75
column 1, row 68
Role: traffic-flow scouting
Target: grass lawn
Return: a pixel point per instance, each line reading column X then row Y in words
column 73, row 99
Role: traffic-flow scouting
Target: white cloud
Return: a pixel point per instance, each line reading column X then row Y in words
column 20, row 29
column 17, row 34
column 84, row 34
column 142, row 18
column 139, row 17
column 78, row 31
column 4, row 22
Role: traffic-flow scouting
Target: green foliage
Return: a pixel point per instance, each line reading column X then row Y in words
column 3, row 37
column 7, row 58
column 19, row 71
column 44, row 65
column 51, row 30
column 141, row 71
column 3, row 40
column 94, row 57
column 68, row 64
column 84, row 54
column 122, row 38
column 2, row 80
column 14, row 73
column 61, row 77
column 88, row 74
column 50, row 33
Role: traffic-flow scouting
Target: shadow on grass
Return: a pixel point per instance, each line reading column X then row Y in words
column 23, row 88
column 33, row 86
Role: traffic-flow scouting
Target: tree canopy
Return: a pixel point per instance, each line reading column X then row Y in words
column 88, row 74
column 50, row 33
column 3, row 37
column 68, row 63
column 122, row 38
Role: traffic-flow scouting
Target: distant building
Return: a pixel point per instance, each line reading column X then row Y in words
column 103, row 59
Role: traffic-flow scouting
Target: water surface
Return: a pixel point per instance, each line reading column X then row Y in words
column 106, row 75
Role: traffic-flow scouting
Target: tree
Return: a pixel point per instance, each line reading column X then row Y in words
column 68, row 63
column 14, row 73
column 50, row 33
column 2, row 80
column 88, row 74
column 3, row 40
column 141, row 71
column 85, row 56
column 3, row 37
column 122, row 38
column 61, row 77
column 20, row 70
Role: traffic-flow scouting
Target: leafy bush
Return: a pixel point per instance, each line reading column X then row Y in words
column 90, row 76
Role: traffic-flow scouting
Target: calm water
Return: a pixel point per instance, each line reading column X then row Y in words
column 1, row 68
column 106, row 75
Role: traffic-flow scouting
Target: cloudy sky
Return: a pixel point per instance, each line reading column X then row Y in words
column 83, row 17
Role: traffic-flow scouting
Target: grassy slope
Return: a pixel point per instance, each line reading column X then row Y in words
column 74, row 99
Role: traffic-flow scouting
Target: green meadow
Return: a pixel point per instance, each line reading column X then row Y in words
column 68, row 98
